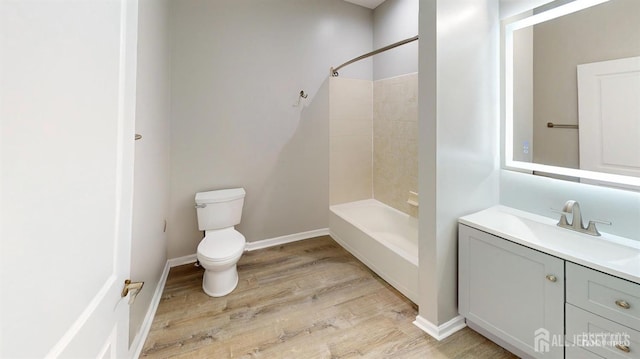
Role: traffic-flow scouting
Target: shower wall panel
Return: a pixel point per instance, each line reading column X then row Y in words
column 350, row 136
column 395, row 141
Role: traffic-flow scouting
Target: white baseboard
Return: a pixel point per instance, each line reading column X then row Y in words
column 174, row 262
column 272, row 242
column 138, row 343
column 442, row 331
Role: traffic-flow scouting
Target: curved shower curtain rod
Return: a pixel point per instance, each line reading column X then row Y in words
column 334, row 71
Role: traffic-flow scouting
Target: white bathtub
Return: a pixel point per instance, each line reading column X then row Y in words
column 383, row 238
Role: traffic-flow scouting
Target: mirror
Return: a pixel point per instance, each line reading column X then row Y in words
column 572, row 91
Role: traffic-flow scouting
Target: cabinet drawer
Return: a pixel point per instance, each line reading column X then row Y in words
column 611, row 297
column 600, row 336
column 573, row 352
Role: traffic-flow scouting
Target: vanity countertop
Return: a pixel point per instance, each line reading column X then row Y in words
column 608, row 253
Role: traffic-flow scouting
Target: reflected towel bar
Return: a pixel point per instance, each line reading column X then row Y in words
column 558, row 125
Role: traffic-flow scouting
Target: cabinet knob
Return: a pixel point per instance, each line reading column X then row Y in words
column 623, row 304
column 624, row 348
column 551, row 278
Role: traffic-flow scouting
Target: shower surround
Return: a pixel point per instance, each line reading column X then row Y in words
column 373, row 166
column 395, row 141
column 373, row 140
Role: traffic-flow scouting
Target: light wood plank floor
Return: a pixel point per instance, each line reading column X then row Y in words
column 309, row 299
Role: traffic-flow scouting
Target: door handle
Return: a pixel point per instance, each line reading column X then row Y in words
column 131, row 287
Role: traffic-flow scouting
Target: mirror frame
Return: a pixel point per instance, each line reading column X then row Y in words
column 626, row 182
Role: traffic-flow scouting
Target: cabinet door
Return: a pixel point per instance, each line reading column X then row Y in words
column 511, row 293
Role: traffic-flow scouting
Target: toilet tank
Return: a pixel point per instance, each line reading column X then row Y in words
column 219, row 209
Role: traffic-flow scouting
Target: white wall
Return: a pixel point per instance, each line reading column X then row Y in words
column 459, row 137
column 539, row 194
column 151, row 182
column 237, row 69
column 513, row 7
column 395, row 20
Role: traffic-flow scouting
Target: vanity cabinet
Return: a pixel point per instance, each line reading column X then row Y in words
column 510, row 293
column 539, row 305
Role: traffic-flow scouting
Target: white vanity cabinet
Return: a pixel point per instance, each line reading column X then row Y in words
column 546, row 292
column 510, row 293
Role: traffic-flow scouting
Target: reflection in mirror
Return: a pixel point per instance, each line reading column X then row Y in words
column 572, row 91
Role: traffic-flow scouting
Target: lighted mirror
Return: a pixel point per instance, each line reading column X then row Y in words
column 572, row 91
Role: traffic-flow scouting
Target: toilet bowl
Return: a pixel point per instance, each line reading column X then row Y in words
column 218, row 254
column 222, row 246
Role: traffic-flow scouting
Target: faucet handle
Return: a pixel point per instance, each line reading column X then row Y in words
column 608, row 223
column 591, row 228
column 563, row 218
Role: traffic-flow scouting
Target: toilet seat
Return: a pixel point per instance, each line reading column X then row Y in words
column 221, row 245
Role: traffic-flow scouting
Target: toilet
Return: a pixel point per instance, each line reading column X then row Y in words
column 222, row 246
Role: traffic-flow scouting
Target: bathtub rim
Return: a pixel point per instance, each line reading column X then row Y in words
column 410, row 257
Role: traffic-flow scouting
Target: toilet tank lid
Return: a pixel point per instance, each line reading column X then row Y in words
column 222, row 195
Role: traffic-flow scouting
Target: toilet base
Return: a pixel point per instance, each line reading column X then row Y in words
column 220, row 283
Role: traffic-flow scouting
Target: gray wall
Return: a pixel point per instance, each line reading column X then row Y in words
column 151, row 182
column 237, row 69
column 395, row 20
column 459, row 137
column 605, row 32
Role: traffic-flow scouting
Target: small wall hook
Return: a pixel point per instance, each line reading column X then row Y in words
column 302, row 94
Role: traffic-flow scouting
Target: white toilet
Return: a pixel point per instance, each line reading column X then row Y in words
column 222, row 246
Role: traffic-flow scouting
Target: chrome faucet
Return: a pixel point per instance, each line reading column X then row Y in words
column 573, row 207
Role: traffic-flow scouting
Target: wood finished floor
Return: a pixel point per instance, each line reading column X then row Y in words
column 309, row 299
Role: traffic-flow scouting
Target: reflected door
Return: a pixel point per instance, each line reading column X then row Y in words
column 609, row 116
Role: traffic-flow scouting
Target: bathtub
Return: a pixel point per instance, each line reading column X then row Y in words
column 383, row 238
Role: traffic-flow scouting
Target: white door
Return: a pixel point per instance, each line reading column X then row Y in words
column 67, row 97
column 609, row 116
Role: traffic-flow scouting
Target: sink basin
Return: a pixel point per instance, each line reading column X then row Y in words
column 608, row 253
